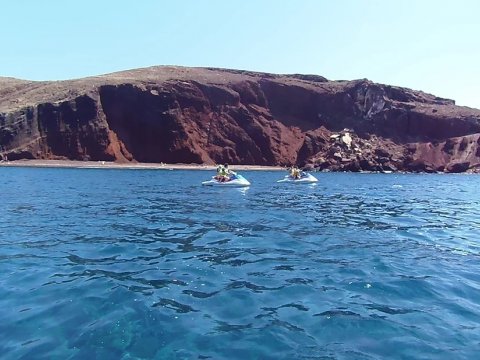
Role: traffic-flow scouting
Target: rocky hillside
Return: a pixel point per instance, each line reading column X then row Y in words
column 201, row 115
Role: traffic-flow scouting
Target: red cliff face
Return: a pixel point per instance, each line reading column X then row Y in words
column 195, row 115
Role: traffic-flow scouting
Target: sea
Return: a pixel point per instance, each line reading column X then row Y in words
column 150, row 264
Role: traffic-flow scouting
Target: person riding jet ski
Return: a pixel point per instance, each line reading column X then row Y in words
column 297, row 176
column 226, row 177
column 231, row 174
column 223, row 173
column 295, row 172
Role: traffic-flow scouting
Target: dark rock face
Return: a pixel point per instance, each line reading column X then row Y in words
column 185, row 115
column 70, row 129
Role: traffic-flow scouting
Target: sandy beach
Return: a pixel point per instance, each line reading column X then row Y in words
column 130, row 166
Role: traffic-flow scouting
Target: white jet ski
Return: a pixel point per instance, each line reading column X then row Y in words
column 235, row 180
column 305, row 178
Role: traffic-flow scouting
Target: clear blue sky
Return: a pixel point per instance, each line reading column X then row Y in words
column 422, row 44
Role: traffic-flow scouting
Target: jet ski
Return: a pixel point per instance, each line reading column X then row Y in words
column 305, row 178
column 234, row 180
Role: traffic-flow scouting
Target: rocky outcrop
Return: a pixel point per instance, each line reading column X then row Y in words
column 198, row 115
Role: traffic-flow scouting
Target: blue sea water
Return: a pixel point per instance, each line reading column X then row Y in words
column 145, row 264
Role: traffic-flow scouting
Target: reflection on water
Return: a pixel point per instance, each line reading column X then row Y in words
column 149, row 264
column 243, row 190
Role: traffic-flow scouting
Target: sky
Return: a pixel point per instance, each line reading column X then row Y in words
column 426, row 45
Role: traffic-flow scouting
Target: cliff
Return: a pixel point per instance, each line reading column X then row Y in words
column 203, row 115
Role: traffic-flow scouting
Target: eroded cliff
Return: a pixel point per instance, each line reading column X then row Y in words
column 198, row 115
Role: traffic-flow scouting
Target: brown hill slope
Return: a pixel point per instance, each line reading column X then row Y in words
column 202, row 115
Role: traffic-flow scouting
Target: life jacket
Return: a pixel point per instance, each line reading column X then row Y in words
column 221, row 171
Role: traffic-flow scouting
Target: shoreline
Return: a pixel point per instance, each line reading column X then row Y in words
column 76, row 164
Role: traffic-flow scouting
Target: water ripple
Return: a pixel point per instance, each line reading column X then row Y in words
column 148, row 264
